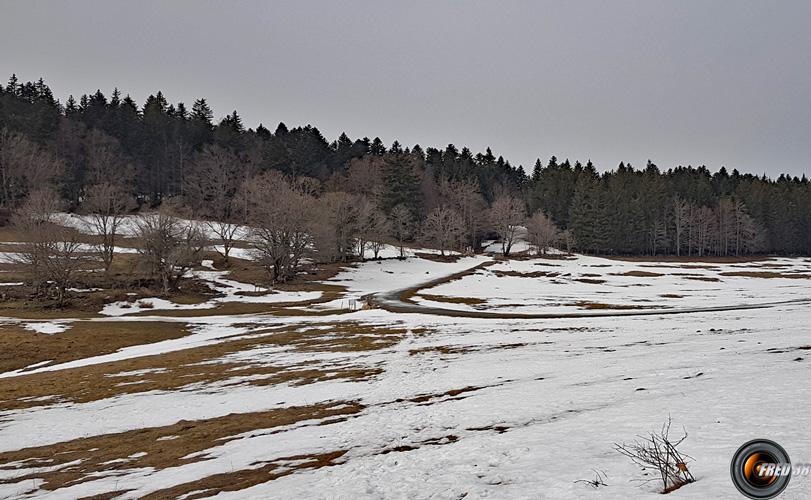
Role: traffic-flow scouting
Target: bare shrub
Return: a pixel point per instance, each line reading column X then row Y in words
column 376, row 229
column 444, row 228
column 213, row 189
column 106, row 205
column 465, row 198
column 335, row 227
column 106, row 164
column 658, row 452
column 506, row 215
column 599, row 479
column 24, row 167
column 401, row 226
column 542, row 232
column 50, row 254
column 170, row 247
column 372, row 227
column 281, row 218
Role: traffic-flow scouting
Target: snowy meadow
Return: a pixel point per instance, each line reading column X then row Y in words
column 479, row 377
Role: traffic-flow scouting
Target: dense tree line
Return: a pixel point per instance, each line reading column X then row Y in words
column 345, row 197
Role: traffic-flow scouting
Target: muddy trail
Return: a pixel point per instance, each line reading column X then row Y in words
column 399, row 301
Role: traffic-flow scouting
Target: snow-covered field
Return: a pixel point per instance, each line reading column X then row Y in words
column 376, row 404
column 589, row 283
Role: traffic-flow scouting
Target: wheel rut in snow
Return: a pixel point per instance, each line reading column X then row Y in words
column 399, row 301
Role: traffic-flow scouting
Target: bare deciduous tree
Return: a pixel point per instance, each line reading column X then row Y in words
column 567, row 237
column 464, row 196
column 105, row 161
column 51, row 253
column 24, row 167
column 401, row 226
column 506, row 214
column 542, row 232
column 681, row 214
column 281, row 219
column 170, row 246
column 335, row 228
column 364, row 176
column 377, row 228
column 212, row 189
column 106, row 205
column 737, row 230
column 443, row 228
column 372, row 227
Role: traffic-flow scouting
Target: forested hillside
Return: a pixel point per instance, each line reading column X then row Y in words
column 161, row 153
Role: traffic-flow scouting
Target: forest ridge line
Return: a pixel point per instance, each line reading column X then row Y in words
column 449, row 198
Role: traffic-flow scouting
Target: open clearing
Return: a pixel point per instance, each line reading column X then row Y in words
column 308, row 394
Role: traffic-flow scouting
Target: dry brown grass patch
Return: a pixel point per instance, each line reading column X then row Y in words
column 346, row 336
column 591, row 281
column 241, row 479
column 452, row 300
column 639, row 274
column 701, row 278
column 766, row 274
column 686, row 259
column 518, row 274
column 20, row 347
column 431, row 398
column 600, row 305
column 248, row 271
column 204, row 365
column 453, row 350
column 435, row 257
column 240, row 308
column 441, row 349
column 187, row 437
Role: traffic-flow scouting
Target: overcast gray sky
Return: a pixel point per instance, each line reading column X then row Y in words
column 680, row 82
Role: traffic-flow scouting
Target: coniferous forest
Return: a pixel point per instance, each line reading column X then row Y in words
column 160, row 153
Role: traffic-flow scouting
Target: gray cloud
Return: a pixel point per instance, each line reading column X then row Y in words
column 680, row 82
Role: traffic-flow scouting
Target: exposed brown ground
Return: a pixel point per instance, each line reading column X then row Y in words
column 599, row 305
column 453, row 350
column 561, row 256
column 639, row 274
column 248, row 271
column 452, row 300
column 673, row 258
column 684, row 266
column 591, row 281
column 441, row 349
column 126, row 281
column 163, row 447
column 766, row 274
column 238, row 480
column 329, row 292
column 701, row 278
column 205, row 364
column 518, row 274
column 109, row 453
column 20, row 347
column 437, row 257
column 408, row 295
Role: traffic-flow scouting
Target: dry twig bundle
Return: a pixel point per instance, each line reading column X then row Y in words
column 659, row 452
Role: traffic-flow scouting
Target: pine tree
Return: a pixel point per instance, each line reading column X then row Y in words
column 377, row 148
column 536, row 171
column 401, row 186
column 585, row 215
